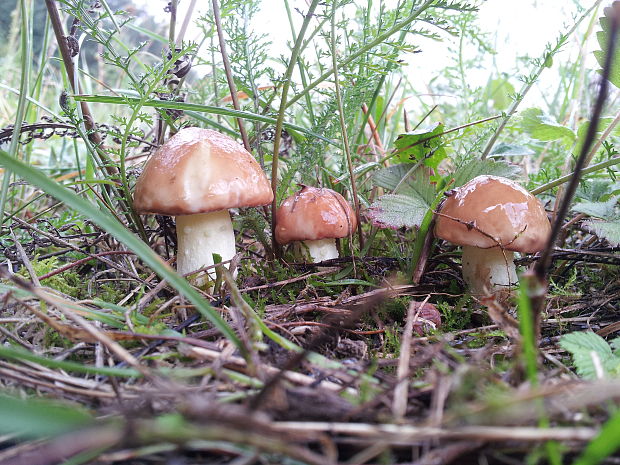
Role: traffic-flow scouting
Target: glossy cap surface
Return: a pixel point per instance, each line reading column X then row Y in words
column 199, row 171
column 314, row 213
column 489, row 211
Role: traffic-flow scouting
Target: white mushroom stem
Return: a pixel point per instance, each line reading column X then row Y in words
column 199, row 237
column 488, row 270
column 322, row 249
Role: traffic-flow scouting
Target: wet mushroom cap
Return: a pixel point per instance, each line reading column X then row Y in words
column 489, row 211
column 200, row 171
column 312, row 214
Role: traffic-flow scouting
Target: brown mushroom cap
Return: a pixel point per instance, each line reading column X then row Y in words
column 498, row 207
column 314, row 213
column 199, row 171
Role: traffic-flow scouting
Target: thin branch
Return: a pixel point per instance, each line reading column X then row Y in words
column 67, row 59
column 542, row 265
column 227, row 69
column 343, row 127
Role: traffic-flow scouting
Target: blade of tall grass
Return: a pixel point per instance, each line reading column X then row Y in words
column 280, row 120
column 116, row 229
column 604, row 444
column 165, row 104
column 36, row 417
column 26, row 62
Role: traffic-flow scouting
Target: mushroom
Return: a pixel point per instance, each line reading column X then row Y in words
column 428, row 318
column 196, row 176
column 492, row 217
column 316, row 216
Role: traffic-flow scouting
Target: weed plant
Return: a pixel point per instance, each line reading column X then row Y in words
column 136, row 363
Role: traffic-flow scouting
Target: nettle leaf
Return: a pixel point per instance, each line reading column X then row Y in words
column 604, row 210
column 402, row 180
column 608, row 227
column 413, row 194
column 417, row 145
column 541, row 127
column 395, row 211
column 474, row 168
column 603, row 41
column 511, row 150
column 608, row 230
column 591, row 354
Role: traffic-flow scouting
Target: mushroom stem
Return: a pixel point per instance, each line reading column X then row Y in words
column 199, row 237
column 488, row 270
column 322, row 249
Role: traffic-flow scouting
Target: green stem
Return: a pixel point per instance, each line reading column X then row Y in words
column 276, row 144
column 378, row 40
column 343, row 127
column 563, row 179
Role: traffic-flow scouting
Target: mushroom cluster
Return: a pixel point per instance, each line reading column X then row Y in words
column 315, row 216
column 196, row 176
column 492, row 217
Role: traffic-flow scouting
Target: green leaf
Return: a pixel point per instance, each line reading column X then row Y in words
column 500, row 90
column 604, row 210
column 118, row 230
column 418, row 145
column 603, row 40
column 591, row 354
column 474, row 168
column 511, row 150
column 604, row 444
column 601, row 127
column 403, row 179
column 395, row 211
column 541, row 127
column 608, row 230
column 35, row 418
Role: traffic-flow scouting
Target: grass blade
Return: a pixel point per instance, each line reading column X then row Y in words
column 116, row 229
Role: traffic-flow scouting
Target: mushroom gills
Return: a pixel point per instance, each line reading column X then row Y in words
column 321, row 249
column 199, row 237
column 488, row 270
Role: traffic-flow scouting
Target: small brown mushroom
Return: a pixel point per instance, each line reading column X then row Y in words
column 197, row 175
column 428, row 317
column 316, row 216
column 492, row 217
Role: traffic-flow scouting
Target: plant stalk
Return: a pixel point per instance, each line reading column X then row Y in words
column 280, row 120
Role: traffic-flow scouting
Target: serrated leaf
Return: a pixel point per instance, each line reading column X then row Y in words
column 511, row 150
column 602, row 37
column 395, row 210
column 591, row 354
column 416, row 182
column 606, row 229
column 542, row 127
column 603, row 210
column 474, row 168
column 418, row 145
